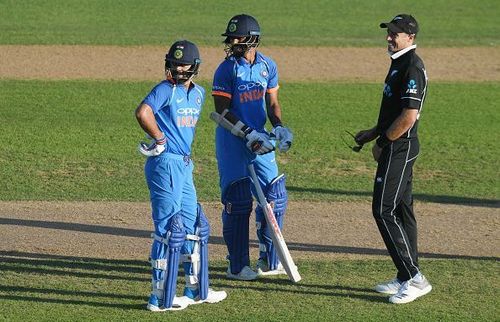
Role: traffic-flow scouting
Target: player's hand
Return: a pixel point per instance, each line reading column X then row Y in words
column 259, row 143
column 284, row 136
column 365, row 136
column 153, row 148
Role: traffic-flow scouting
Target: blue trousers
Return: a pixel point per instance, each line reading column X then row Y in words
column 233, row 158
column 170, row 182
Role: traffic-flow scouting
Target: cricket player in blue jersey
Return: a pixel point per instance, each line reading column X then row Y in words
column 168, row 115
column 245, row 92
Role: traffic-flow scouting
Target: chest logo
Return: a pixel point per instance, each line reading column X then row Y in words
column 188, row 111
column 252, row 91
column 387, row 90
column 187, row 117
column 394, row 72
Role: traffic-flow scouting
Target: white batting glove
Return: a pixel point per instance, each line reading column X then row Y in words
column 284, row 136
column 153, row 148
column 259, row 143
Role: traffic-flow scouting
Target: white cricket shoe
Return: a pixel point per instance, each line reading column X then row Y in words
column 156, row 305
column 411, row 290
column 263, row 269
column 213, row 297
column 389, row 288
column 246, row 274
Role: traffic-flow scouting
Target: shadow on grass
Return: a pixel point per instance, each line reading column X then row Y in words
column 31, row 290
column 28, row 269
column 305, row 289
column 217, row 240
column 454, row 200
column 30, row 298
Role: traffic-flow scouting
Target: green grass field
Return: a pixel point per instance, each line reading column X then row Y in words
column 47, row 288
column 283, row 23
column 76, row 140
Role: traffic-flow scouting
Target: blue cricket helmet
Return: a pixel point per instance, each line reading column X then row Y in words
column 242, row 26
column 182, row 52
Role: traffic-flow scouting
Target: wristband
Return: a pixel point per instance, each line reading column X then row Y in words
column 246, row 129
column 383, row 141
column 161, row 140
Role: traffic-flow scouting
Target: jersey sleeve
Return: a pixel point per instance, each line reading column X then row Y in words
column 159, row 97
column 223, row 80
column 272, row 83
column 414, row 88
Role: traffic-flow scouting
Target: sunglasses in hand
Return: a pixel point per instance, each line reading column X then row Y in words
column 355, row 148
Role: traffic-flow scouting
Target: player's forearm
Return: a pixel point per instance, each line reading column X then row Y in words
column 146, row 119
column 222, row 106
column 221, row 103
column 400, row 126
column 273, row 108
column 274, row 114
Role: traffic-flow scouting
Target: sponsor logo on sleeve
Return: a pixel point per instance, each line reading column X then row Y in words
column 412, row 87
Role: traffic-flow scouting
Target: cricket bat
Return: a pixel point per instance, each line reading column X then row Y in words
column 278, row 240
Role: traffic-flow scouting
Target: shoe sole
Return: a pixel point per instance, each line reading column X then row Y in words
column 173, row 308
column 208, row 300
column 154, row 308
column 425, row 291
column 275, row 272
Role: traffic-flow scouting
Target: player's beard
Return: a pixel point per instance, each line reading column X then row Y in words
column 239, row 51
column 178, row 78
column 392, row 46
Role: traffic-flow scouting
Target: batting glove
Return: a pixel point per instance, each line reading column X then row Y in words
column 284, row 136
column 154, row 148
column 259, row 143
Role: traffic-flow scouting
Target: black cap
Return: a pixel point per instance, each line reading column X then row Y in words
column 183, row 52
column 242, row 26
column 402, row 23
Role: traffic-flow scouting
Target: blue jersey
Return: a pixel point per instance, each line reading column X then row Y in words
column 176, row 111
column 246, row 85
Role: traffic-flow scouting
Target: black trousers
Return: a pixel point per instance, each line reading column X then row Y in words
column 392, row 205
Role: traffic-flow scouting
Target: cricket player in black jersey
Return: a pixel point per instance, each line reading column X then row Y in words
column 396, row 150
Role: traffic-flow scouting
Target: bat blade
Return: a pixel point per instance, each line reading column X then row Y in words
column 278, row 240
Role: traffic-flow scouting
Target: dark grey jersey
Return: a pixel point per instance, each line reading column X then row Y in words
column 405, row 87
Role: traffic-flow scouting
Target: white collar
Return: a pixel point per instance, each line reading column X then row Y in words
column 400, row 53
